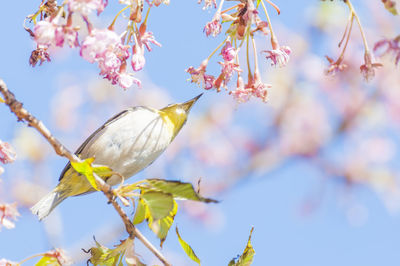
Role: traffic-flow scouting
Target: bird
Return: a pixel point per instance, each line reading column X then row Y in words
column 127, row 143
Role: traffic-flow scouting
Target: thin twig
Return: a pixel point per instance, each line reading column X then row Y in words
column 22, row 114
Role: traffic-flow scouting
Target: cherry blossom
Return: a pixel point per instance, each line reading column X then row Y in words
column 50, row 33
column 255, row 87
column 105, row 48
column 368, row 68
column 45, row 33
column 138, row 60
column 126, row 80
column 228, row 66
column 208, row 3
column 279, row 56
column 85, row 7
column 334, row 66
column 214, row 26
column 147, row 38
column 8, row 212
column 7, row 153
column 68, row 34
column 199, row 76
column 228, row 52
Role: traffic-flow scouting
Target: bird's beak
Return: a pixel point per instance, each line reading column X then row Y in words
column 188, row 105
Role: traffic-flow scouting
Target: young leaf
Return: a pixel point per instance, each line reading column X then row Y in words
column 188, row 249
column 85, row 168
column 102, row 255
column 140, row 213
column 45, row 260
column 247, row 257
column 162, row 226
column 159, row 204
column 178, row 189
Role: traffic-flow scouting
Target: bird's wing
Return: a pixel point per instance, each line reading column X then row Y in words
column 109, row 121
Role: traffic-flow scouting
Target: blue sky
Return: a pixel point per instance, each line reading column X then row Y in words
column 269, row 203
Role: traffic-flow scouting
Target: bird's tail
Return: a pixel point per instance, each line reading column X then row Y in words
column 47, row 204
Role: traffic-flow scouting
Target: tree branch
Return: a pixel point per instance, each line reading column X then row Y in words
column 22, row 114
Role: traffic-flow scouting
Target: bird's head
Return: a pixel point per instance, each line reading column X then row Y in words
column 175, row 115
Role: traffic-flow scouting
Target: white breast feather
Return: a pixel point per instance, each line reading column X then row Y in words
column 131, row 143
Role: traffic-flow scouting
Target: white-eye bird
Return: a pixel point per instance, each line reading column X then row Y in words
column 127, row 143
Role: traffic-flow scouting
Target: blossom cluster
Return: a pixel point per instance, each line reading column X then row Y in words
column 244, row 21
column 109, row 50
column 368, row 68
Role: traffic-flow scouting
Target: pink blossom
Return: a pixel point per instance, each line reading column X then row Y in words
column 48, row 33
column 66, row 33
column 126, row 80
column 148, row 38
column 105, row 48
column 45, row 33
column 60, row 256
column 254, row 87
column 8, row 212
column 208, row 3
column 367, row 69
column 85, row 7
column 228, row 52
column 97, row 43
column 241, row 94
column 213, row 27
column 334, row 66
column 228, row 68
column 389, row 46
column 279, row 56
column 7, row 153
column 199, row 76
column 138, row 60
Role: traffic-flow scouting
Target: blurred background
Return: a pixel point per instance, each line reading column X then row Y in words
column 314, row 170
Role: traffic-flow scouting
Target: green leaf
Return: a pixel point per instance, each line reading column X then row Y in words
column 140, row 213
column 85, row 168
column 162, row 226
column 246, row 259
column 45, row 260
column 159, row 204
column 178, row 189
column 101, row 255
column 188, row 249
column 88, row 170
column 390, row 6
